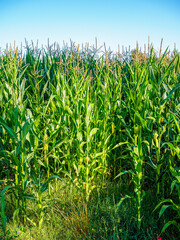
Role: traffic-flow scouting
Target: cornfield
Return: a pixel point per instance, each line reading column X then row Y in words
column 72, row 116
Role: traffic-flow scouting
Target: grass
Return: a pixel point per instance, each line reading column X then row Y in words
column 70, row 217
column 89, row 145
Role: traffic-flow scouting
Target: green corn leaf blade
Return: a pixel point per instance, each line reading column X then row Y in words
column 172, row 185
column 143, row 121
column 152, row 118
column 26, row 128
column 48, row 103
column 92, row 132
column 67, row 174
column 67, row 109
column 163, row 208
column 177, row 64
column 152, row 75
column 34, row 178
column 119, row 144
column 16, row 214
column 170, row 145
column 131, row 71
column 15, row 116
column 9, row 130
column 55, row 176
column 178, row 177
column 89, row 111
column 5, row 189
column 42, row 163
column 169, row 224
column 163, row 56
column 173, row 171
column 54, row 135
column 59, row 143
column 176, row 122
column 44, row 187
column 31, row 221
column 164, row 201
column 124, row 172
column 79, row 136
column 40, row 139
column 45, row 88
column 176, row 207
column 28, row 196
column 122, row 200
column 166, row 72
column 140, row 148
column 172, row 91
column 2, row 205
column 25, row 110
column 97, row 155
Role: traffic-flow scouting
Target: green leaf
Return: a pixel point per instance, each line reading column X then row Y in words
column 164, row 54
column 170, row 145
column 5, row 189
column 88, row 114
column 41, row 163
column 93, row 132
column 26, row 129
column 67, row 174
column 59, row 143
column 16, row 214
column 172, row 91
column 163, row 208
column 177, row 125
column 122, row 173
column 55, row 176
column 3, row 205
column 119, row 144
column 166, row 72
column 79, row 136
column 44, row 187
column 170, row 223
column 67, row 108
column 121, row 201
column 9, row 130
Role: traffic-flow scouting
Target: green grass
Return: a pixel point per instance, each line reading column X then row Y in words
column 89, row 145
column 70, row 217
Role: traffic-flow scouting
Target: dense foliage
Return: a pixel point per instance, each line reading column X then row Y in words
column 71, row 115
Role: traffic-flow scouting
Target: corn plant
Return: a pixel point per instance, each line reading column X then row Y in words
column 136, row 173
column 3, row 216
column 72, row 113
column 169, row 203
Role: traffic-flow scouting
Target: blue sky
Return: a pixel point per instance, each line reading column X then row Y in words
column 114, row 22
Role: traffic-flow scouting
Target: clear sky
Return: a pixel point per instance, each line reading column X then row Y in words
column 113, row 22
